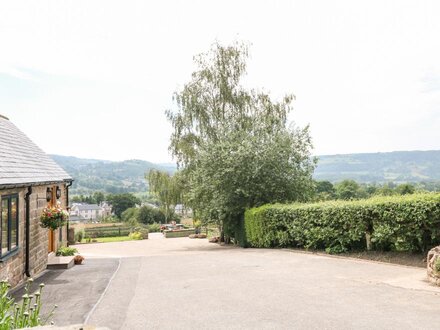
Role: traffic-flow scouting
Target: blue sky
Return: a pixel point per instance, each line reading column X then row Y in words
column 93, row 78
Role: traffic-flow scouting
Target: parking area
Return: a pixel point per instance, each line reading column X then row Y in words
column 191, row 284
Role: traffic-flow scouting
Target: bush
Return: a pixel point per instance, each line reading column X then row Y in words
column 107, row 231
column 79, row 235
column 66, row 251
column 136, row 235
column 150, row 215
column 401, row 223
column 23, row 315
column 154, row 228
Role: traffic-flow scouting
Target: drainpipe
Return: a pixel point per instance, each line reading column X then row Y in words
column 28, row 229
column 67, row 207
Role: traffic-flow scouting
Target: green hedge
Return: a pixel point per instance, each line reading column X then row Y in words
column 111, row 231
column 401, row 223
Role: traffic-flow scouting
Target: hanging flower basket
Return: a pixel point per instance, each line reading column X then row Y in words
column 53, row 218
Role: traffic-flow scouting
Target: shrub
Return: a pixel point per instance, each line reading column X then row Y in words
column 107, row 231
column 150, row 215
column 66, row 251
column 136, row 235
column 403, row 223
column 154, row 228
column 23, row 315
column 79, row 235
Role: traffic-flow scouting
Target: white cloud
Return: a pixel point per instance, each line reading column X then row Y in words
column 360, row 70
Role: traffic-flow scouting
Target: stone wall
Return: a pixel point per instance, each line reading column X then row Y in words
column 12, row 268
column 433, row 275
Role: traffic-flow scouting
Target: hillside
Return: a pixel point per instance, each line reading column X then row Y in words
column 397, row 166
column 128, row 176
column 112, row 177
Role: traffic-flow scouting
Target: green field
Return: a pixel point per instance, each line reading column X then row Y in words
column 108, row 239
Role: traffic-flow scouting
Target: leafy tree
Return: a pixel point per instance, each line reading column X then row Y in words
column 405, row 189
column 149, row 215
column 324, row 190
column 349, row 189
column 130, row 213
column 234, row 144
column 98, row 197
column 386, row 190
column 121, row 202
column 167, row 189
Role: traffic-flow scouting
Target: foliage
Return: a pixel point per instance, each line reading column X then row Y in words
column 121, row 202
column 53, row 217
column 349, row 189
column 437, row 265
column 79, row 234
column 109, row 219
column 402, row 223
column 144, row 214
column 153, row 228
column 108, row 231
column 108, row 176
column 96, row 198
column 136, row 235
column 23, row 315
column 234, row 144
column 150, row 215
column 167, row 189
column 66, row 251
column 397, row 166
column 130, row 213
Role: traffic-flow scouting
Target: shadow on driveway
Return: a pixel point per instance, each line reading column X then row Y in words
column 75, row 290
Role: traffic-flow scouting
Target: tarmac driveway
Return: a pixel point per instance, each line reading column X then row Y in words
column 190, row 284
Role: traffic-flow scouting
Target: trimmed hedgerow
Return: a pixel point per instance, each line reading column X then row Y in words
column 401, row 223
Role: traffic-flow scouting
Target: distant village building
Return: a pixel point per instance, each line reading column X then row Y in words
column 181, row 210
column 83, row 212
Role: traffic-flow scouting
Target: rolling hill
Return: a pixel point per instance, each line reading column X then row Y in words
column 128, row 176
column 108, row 176
column 397, row 166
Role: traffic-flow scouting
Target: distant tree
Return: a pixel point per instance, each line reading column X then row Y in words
column 121, row 202
column 98, row 197
column 349, row 189
column 370, row 189
column 167, row 190
column 405, row 189
column 149, row 215
column 387, row 189
column 324, row 190
column 130, row 213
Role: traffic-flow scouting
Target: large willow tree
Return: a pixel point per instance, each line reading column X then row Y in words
column 234, row 144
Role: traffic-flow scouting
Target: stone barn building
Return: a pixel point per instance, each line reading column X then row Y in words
column 29, row 181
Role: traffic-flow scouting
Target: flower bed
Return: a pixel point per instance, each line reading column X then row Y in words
column 178, row 233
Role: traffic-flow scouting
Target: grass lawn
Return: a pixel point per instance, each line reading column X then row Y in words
column 109, row 239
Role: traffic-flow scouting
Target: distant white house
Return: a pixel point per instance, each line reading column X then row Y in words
column 181, row 210
column 89, row 212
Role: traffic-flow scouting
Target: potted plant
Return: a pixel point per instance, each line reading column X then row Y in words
column 78, row 259
column 53, row 217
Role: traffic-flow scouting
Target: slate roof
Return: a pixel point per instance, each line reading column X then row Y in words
column 87, row 207
column 23, row 162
